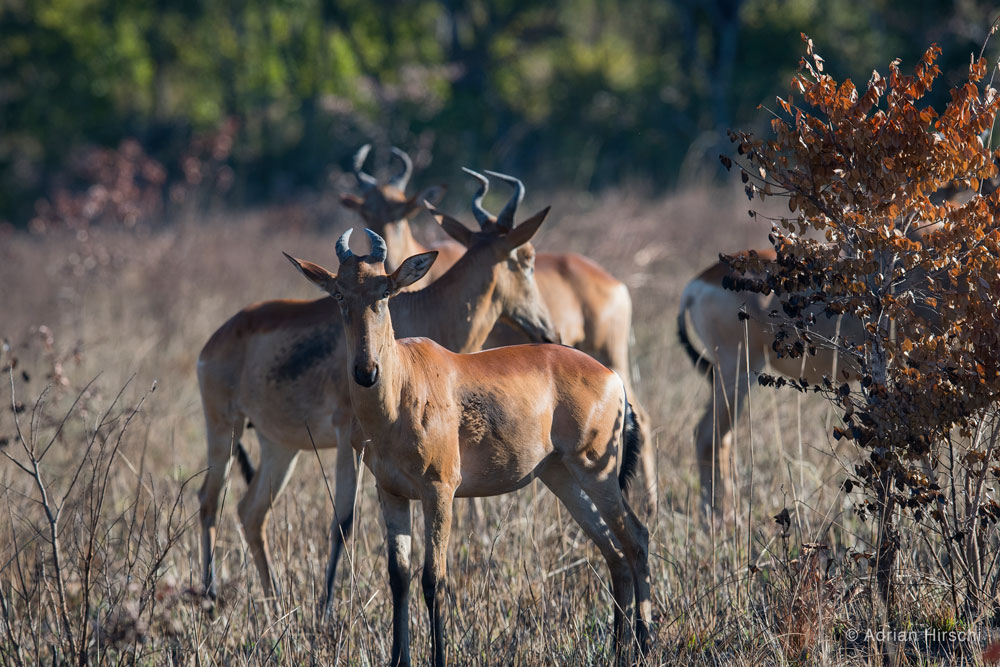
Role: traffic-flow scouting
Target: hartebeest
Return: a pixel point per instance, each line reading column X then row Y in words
column 386, row 209
column 279, row 366
column 591, row 309
column 442, row 425
column 725, row 342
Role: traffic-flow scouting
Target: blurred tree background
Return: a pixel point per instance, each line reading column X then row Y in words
column 250, row 102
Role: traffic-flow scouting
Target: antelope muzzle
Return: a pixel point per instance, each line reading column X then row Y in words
column 366, row 374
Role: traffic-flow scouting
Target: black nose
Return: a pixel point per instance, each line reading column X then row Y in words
column 364, row 377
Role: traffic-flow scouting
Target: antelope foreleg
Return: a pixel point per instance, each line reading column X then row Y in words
column 396, row 512
column 342, row 526
column 437, row 528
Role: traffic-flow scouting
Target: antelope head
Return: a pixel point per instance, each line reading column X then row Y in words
column 362, row 290
column 384, row 205
column 507, row 249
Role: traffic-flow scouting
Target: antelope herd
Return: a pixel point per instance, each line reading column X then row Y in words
column 389, row 365
column 281, row 366
column 591, row 310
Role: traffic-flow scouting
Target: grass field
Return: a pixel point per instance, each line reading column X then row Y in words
column 95, row 320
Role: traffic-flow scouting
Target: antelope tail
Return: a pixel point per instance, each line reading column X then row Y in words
column 697, row 358
column 630, row 455
column 246, row 465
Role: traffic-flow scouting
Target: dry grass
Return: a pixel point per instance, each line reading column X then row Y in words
column 130, row 309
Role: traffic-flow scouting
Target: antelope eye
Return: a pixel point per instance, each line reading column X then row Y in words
column 338, row 296
column 386, row 294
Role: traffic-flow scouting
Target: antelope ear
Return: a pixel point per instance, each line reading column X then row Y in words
column 412, row 269
column 352, row 202
column 523, row 232
column 314, row 273
column 453, row 227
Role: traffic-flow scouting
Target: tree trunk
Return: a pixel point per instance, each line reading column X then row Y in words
column 887, row 546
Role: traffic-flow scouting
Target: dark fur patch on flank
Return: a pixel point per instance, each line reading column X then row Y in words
column 306, row 353
column 482, row 414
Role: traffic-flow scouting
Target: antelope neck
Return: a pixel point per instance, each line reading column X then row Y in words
column 458, row 310
column 400, row 242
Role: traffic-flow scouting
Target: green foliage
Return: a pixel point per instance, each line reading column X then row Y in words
column 580, row 92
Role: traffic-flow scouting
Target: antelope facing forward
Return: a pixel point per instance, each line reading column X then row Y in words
column 443, row 425
column 279, row 365
column 590, row 308
column 725, row 344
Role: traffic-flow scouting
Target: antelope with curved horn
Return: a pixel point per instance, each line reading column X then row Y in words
column 591, row 309
column 726, row 341
column 278, row 364
column 443, row 425
column 386, row 209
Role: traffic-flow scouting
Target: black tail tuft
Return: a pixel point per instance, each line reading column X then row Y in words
column 630, row 455
column 243, row 459
column 698, row 359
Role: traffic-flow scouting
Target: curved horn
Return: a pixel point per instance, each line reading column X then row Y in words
column 343, row 249
column 505, row 219
column 402, row 179
column 378, row 247
column 365, row 181
column 483, row 216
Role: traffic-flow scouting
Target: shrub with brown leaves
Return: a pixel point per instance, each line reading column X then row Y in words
column 860, row 170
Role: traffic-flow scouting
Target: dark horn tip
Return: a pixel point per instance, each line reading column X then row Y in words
column 343, row 245
column 378, row 247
